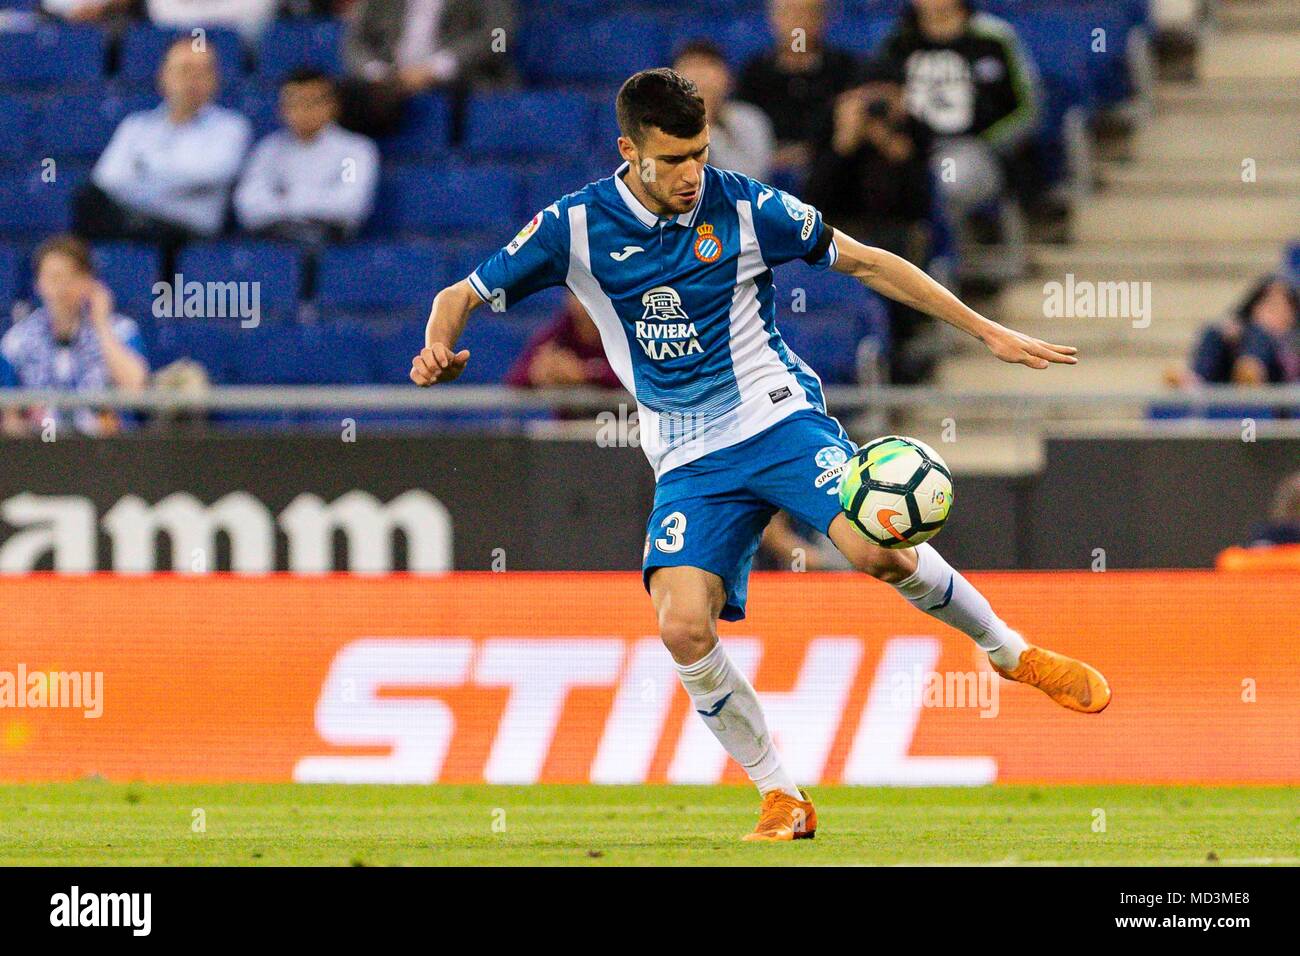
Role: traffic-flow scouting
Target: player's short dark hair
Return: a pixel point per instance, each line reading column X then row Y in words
column 661, row 98
column 307, row 74
column 701, row 48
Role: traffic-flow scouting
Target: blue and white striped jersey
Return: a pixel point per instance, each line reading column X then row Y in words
column 685, row 305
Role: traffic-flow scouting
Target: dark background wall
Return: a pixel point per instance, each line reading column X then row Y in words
column 573, row 505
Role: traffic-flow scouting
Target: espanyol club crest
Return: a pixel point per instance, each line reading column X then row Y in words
column 707, row 246
column 833, row 461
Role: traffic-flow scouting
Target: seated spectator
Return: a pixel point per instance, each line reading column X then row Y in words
column 796, row 83
column 1275, row 544
column 74, row 341
column 167, row 172
column 970, row 81
column 1255, row 345
column 740, row 134
column 90, row 11
column 249, row 17
column 311, row 181
column 872, row 179
column 566, row 352
column 394, row 49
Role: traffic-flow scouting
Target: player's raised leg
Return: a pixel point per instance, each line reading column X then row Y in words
column 930, row 583
column 688, row 601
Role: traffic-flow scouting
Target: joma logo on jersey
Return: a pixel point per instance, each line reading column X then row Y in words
column 664, row 329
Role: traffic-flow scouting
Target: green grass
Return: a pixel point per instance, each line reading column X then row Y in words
column 94, row 823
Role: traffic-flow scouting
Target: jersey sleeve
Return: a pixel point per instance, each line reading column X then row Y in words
column 535, row 259
column 788, row 228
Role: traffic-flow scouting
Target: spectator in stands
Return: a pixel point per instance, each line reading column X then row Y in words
column 394, row 49
column 566, row 352
column 1257, row 344
column 311, row 181
column 740, row 134
column 872, row 179
column 249, row 17
column 167, row 172
column 72, row 341
column 796, row 82
column 1275, row 544
column 969, row 80
column 89, row 11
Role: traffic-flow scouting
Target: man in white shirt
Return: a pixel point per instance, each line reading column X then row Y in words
column 167, row 172
column 740, row 134
column 249, row 17
column 312, row 180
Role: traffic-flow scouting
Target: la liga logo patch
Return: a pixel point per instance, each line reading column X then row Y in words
column 708, row 247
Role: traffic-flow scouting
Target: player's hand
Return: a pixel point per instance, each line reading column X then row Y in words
column 1020, row 349
column 438, row 363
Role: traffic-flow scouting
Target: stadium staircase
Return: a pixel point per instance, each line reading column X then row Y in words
column 1178, row 215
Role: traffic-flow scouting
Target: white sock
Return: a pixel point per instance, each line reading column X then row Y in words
column 943, row 593
column 726, row 702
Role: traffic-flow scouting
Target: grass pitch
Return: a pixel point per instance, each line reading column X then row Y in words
column 95, row 823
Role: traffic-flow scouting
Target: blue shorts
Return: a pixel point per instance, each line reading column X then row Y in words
column 710, row 513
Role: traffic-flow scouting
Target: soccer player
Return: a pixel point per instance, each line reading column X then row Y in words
column 672, row 259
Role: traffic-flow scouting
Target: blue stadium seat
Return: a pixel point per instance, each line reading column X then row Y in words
column 288, row 45
column 10, row 277
column 80, row 124
column 494, row 341
column 210, row 342
column 17, row 116
column 532, row 123
column 862, row 34
column 259, row 102
column 1291, row 263
column 425, row 132
column 828, row 340
column 52, row 55
column 276, row 353
column 376, row 275
column 395, row 344
column 130, row 270
column 144, row 44
column 442, row 199
column 275, row 267
column 607, row 50
column 821, row 288
column 32, row 206
column 544, row 184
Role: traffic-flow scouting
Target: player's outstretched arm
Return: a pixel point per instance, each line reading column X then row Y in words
column 895, row 277
column 439, row 361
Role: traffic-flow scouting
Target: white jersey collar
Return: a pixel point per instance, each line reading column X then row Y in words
column 646, row 217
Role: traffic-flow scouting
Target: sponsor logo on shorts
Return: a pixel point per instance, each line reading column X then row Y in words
column 834, row 462
column 779, row 394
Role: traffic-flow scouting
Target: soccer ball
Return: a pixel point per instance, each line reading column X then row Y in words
column 897, row 492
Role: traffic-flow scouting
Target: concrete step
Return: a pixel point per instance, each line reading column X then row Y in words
column 980, row 372
column 1224, row 95
column 1209, row 138
column 1244, row 217
column 1188, row 176
column 1156, row 318
column 1256, row 15
column 981, row 447
column 1160, row 258
column 1257, row 54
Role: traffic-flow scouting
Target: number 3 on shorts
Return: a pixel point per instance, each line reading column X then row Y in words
column 674, row 533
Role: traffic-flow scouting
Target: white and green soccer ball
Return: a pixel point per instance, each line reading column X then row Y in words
column 896, row 492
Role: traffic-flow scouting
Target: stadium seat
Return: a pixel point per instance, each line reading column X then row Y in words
column 275, row 267
column 439, row 199
column 288, row 45
column 10, row 277
column 527, row 123
column 210, row 342
column 51, row 55
column 395, row 343
column 130, row 270
column 376, row 275
column 425, row 132
column 862, row 34
column 144, row 44
column 79, row 125
column 495, row 341
column 32, row 205
column 259, row 102
column 17, row 116
column 606, row 51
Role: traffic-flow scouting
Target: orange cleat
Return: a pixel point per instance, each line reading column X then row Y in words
column 784, row 818
column 1072, row 684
